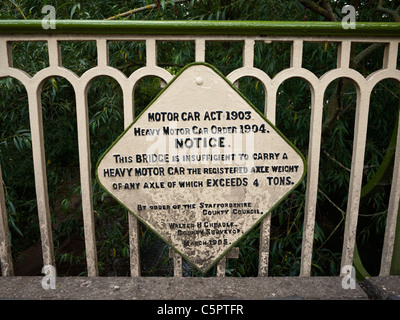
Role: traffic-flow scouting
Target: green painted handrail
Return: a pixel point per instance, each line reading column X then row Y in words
column 191, row 27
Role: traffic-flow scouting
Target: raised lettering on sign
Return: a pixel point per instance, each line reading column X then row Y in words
column 200, row 166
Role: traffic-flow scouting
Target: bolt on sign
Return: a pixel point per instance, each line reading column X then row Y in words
column 200, row 166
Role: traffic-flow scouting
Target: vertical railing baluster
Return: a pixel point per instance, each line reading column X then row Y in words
column 390, row 56
column 178, row 263
column 314, row 148
column 343, row 55
column 357, row 167
column 86, row 179
column 6, row 60
column 265, row 228
column 248, row 53
column 200, row 51
column 5, row 249
column 393, row 209
column 296, row 55
column 221, row 267
column 151, row 52
column 134, row 246
column 389, row 62
column 54, row 52
column 39, row 165
column 102, row 52
column 317, row 97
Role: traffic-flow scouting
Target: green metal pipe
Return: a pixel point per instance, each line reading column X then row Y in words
column 191, row 27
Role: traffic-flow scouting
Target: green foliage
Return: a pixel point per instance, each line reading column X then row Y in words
column 106, row 124
column 127, row 56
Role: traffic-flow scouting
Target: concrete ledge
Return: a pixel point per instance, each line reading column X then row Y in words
column 148, row 288
column 383, row 288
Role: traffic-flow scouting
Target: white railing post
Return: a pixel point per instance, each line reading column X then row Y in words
column 5, row 249
column 357, row 167
column 39, row 164
column 86, row 179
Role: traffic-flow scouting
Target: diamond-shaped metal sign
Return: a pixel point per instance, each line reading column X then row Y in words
column 200, row 166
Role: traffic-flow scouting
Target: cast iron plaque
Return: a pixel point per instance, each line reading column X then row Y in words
column 200, row 166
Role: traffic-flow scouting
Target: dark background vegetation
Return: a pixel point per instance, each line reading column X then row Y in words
column 106, row 124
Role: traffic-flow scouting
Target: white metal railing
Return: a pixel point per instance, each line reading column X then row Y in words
column 364, row 86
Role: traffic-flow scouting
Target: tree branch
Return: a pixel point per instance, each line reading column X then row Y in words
column 358, row 58
column 316, row 8
column 133, row 11
column 393, row 13
column 18, row 8
column 148, row 7
column 329, row 10
column 336, row 161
